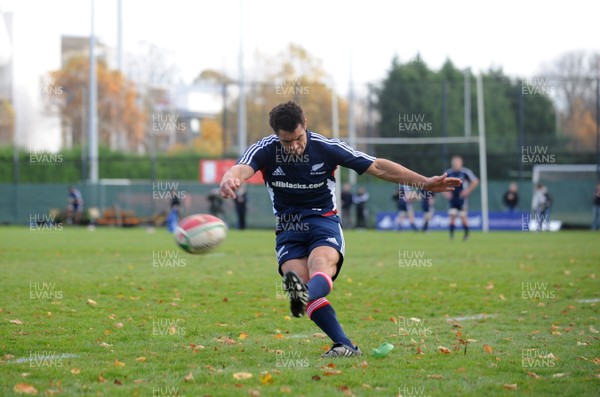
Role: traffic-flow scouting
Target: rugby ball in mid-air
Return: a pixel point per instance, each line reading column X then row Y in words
column 200, row 233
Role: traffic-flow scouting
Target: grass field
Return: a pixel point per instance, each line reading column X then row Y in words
column 125, row 312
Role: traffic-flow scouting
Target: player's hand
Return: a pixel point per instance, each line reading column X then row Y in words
column 464, row 194
column 228, row 187
column 442, row 183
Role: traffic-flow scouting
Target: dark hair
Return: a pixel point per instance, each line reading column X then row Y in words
column 286, row 116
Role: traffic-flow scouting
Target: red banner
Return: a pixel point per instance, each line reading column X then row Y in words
column 212, row 171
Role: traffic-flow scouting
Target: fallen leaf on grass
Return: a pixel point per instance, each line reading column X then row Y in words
column 119, row 363
column 582, row 343
column 243, row 335
column 189, row 377
column 489, row 285
column 558, row 375
column 91, row 302
column 242, row 375
column 592, row 329
column 512, row 386
column 265, row 378
column 254, row 393
column 487, row 348
column 596, row 361
column 279, row 336
column 75, row 371
column 17, row 322
column 140, row 359
column 104, row 344
column 225, row 339
column 443, row 350
column 533, row 375
column 118, row 382
column 101, row 378
column 24, row 388
column 319, row 335
column 435, row 376
column 285, row 389
column 119, row 325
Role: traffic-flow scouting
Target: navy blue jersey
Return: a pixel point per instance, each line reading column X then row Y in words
column 303, row 183
column 465, row 175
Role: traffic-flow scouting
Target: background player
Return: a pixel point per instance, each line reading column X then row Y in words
column 427, row 202
column 405, row 209
column 458, row 202
column 74, row 206
column 298, row 168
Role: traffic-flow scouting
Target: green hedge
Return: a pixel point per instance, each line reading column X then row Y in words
column 71, row 166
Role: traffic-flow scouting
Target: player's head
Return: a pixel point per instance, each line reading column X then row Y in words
column 289, row 124
column 457, row 163
column 513, row 187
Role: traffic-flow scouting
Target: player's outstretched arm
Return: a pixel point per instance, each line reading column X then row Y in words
column 234, row 178
column 394, row 172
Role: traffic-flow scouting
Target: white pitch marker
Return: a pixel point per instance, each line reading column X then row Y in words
column 49, row 357
column 594, row 300
column 473, row 317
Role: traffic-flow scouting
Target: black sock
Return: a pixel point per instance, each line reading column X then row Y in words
column 451, row 230
column 466, row 231
column 425, row 225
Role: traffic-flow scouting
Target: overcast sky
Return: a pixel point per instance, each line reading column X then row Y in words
column 519, row 35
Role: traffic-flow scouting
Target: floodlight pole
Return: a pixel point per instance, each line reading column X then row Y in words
column 351, row 121
column 242, row 98
column 335, row 131
column 93, row 96
column 482, row 156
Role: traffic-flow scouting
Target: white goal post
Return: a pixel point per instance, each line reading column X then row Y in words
column 480, row 139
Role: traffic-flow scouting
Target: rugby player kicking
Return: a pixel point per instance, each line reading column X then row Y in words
column 298, row 167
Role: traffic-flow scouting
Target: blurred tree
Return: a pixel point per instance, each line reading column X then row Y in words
column 7, row 122
column 293, row 74
column 120, row 121
column 575, row 74
column 210, row 140
column 413, row 93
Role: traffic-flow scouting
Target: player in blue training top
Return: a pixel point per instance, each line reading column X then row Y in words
column 458, row 198
column 298, row 168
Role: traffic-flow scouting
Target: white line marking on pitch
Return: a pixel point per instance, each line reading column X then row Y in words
column 595, row 300
column 50, row 357
column 474, row 317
